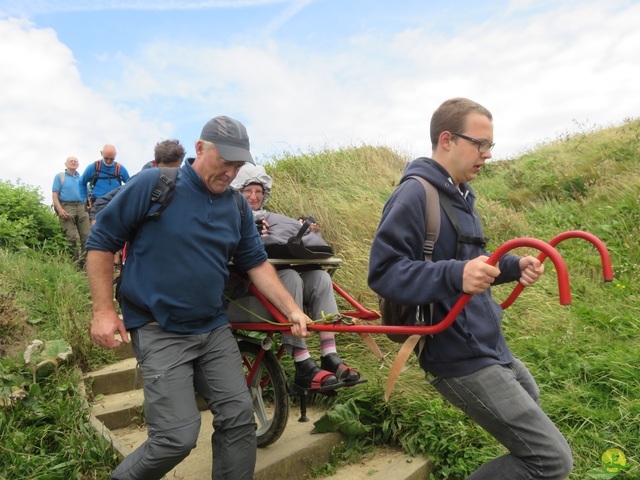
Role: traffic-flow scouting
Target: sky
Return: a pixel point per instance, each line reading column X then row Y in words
column 302, row 75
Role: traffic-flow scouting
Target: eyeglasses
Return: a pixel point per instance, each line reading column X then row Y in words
column 257, row 193
column 108, row 158
column 484, row 146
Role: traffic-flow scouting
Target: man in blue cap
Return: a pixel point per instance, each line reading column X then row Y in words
column 171, row 300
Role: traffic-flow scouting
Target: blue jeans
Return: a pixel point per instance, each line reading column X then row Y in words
column 503, row 399
column 174, row 366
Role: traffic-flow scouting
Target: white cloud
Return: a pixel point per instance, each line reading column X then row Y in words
column 47, row 114
column 29, row 8
column 541, row 74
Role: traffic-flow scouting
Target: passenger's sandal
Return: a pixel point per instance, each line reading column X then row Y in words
column 333, row 363
column 309, row 375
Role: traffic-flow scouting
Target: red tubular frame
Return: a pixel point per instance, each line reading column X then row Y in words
column 600, row 246
column 362, row 313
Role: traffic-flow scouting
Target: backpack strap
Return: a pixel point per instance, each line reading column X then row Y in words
column 240, row 202
column 432, row 232
column 97, row 165
column 462, row 239
column 162, row 194
column 432, row 217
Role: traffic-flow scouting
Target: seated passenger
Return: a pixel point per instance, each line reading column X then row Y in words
column 311, row 288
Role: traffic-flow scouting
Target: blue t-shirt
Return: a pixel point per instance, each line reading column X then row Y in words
column 69, row 189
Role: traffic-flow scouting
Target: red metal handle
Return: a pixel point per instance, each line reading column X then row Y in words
column 602, row 249
column 563, row 287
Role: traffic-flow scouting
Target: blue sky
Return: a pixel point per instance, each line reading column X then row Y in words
column 302, row 75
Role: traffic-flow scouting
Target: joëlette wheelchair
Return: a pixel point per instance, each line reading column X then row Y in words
column 265, row 375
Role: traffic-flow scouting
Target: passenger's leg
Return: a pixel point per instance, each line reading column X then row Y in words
column 295, row 346
column 319, row 297
column 308, row 373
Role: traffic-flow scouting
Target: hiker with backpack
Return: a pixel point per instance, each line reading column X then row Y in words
column 469, row 363
column 100, row 177
column 310, row 286
column 166, row 153
column 68, row 205
column 172, row 305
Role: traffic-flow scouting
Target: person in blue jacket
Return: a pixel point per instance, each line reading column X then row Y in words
column 167, row 153
column 97, row 182
column 469, row 364
column 172, row 305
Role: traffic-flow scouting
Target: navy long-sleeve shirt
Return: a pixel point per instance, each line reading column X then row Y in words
column 176, row 266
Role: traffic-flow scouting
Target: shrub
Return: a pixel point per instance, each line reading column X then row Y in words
column 25, row 222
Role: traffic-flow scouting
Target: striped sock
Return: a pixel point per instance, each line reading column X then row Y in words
column 300, row 354
column 328, row 343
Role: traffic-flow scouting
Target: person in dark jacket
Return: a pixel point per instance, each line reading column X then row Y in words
column 469, row 364
column 171, row 301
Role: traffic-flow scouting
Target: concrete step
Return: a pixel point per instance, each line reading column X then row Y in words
column 291, row 457
column 116, row 378
column 124, row 350
column 117, row 415
column 385, row 463
column 119, row 409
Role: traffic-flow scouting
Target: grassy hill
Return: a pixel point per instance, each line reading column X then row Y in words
column 585, row 357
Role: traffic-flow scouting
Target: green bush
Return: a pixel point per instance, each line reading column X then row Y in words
column 26, row 223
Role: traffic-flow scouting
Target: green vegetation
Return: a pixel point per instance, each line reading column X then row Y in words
column 585, row 357
column 27, row 224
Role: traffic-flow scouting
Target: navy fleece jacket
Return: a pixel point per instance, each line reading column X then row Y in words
column 176, row 266
column 398, row 272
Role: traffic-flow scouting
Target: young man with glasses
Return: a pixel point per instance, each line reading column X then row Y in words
column 469, row 363
column 100, row 177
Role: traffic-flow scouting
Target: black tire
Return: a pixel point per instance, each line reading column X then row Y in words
column 269, row 392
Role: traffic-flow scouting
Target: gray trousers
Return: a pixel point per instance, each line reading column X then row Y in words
column 503, row 399
column 174, row 366
column 312, row 290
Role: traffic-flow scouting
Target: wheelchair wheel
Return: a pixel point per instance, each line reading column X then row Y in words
column 269, row 392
